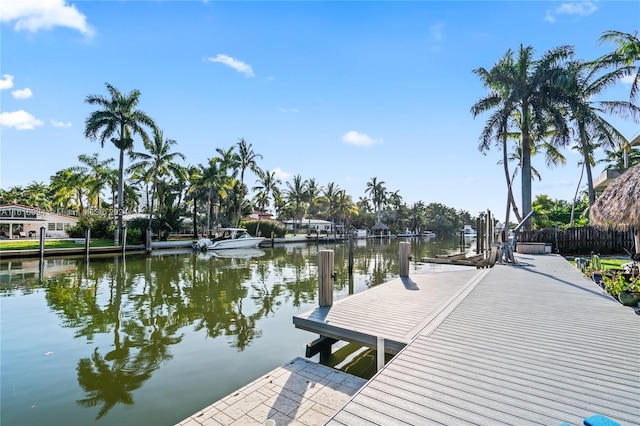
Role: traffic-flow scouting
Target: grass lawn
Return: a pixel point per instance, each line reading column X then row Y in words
column 49, row 244
column 608, row 263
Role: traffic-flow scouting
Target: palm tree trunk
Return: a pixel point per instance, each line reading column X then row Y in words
column 526, row 167
column 195, row 217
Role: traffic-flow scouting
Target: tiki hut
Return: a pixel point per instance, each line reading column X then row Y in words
column 618, row 206
column 380, row 230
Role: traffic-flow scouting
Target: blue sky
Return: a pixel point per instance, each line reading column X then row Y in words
column 336, row 91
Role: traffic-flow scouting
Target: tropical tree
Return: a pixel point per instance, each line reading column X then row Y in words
column 296, row 194
column 329, row 199
column 98, row 173
column 117, row 120
column 626, row 57
column 378, row 193
column 312, row 198
column 245, row 159
column 593, row 130
column 68, row 189
column 531, row 88
column 156, row 163
column 267, row 185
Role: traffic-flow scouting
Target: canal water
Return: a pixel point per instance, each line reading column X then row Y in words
column 150, row 340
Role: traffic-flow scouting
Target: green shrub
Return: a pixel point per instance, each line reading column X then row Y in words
column 264, row 228
column 101, row 227
column 134, row 236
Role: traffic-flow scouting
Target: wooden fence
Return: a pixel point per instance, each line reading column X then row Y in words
column 583, row 240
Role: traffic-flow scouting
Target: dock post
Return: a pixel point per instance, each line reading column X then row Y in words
column 124, row 239
column 380, row 354
column 147, row 241
column 273, row 238
column 350, row 263
column 42, row 234
column 405, row 255
column 87, row 241
column 325, row 278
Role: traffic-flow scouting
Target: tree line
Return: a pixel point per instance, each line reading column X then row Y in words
column 536, row 106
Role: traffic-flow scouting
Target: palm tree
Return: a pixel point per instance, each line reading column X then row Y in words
column 312, row 198
column 117, row 120
column 296, row 196
column 156, row 163
column 329, row 198
column 266, row 185
column 378, row 194
column 98, row 173
column 626, row 56
column 68, row 189
column 592, row 129
column 245, row 159
column 530, row 88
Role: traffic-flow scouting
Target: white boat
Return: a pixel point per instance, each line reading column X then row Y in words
column 469, row 232
column 230, row 238
column 237, row 253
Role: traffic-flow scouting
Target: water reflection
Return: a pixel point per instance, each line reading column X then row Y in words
column 132, row 315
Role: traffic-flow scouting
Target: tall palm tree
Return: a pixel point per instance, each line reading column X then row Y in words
column 157, row 163
column 68, row 189
column 531, row 88
column 98, row 173
column 312, row 198
column 626, row 57
column 296, row 194
column 329, row 198
column 117, row 120
column 592, row 128
column 267, row 186
column 378, row 193
column 245, row 159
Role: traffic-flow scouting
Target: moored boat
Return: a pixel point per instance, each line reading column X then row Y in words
column 230, row 238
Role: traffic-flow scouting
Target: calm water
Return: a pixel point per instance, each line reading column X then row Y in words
column 153, row 339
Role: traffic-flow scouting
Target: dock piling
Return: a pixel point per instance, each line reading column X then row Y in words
column 42, row 235
column 87, row 241
column 325, row 278
column 380, row 354
column 405, row 254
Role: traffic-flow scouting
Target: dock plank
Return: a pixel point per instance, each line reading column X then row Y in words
column 531, row 343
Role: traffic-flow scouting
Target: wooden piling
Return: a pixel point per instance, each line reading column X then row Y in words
column 147, row 241
column 124, row 239
column 380, row 354
column 87, row 242
column 405, row 254
column 325, row 278
column 42, row 235
column 350, row 264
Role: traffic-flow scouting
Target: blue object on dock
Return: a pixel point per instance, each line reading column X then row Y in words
column 599, row 420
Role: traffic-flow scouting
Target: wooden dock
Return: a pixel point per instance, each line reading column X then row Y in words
column 397, row 310
column 531, row 343
column 300, row 392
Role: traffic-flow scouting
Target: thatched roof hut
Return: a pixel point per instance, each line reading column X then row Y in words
column 380, row 229
column 619, row 205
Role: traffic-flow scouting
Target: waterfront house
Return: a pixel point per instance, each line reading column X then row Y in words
column 18, row 221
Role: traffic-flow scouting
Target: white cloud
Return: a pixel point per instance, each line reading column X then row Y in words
column 22, row 93
column 233, row 63
column 6, row 82
column 280, row 174
column 359, row 139
column 35, row 15
column 21, row 120
column 55, row 123
column 578, row 8
column 437, row 31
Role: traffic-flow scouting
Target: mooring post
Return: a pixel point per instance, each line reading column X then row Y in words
column 350, row 263
column 87, row 241
column 124, row 239
column 405, row 255
column 325, row 278
column 42, row 234
column 380, row 354
column 147, row 241
column 273, row 237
